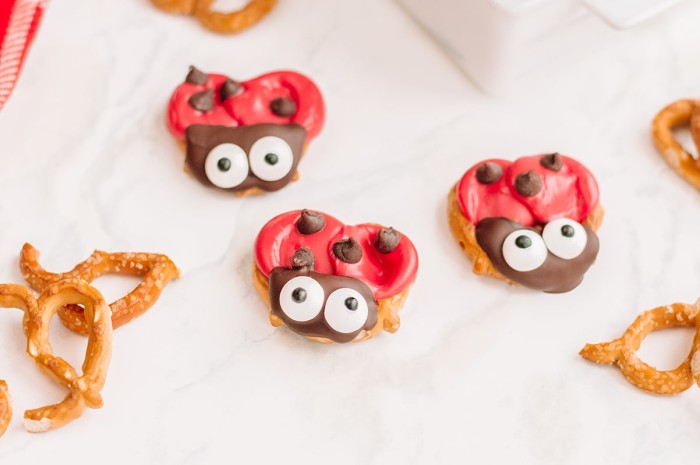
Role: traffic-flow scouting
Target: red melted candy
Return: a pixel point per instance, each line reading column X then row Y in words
column 571, row 192
column 251, row 104
column 386, row 274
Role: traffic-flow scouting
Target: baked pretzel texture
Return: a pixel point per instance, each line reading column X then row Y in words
column 623, row 351
column 156, row 269
column 84, row 389
column 685, row 112
column 223, row 23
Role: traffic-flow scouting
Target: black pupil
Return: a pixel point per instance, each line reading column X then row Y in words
column 272, row 158
column 224, row 164
column 299, row 295
column 567, row 230
column 523, row 242
column 351, row 303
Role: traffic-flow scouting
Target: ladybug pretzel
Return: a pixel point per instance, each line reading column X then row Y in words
column 331, row 282
column 532, row 221
column 245, row 137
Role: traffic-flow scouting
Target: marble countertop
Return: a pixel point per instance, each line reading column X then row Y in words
column 479, row 372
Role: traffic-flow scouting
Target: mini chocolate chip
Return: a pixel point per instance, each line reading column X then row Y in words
column 489, row 172
column 224, row 164
column 283, row 107
column 228, row 89
column 523, row 242
column 348, row 250
column 528, row 184
column 552, row 161
column 567, row 230
column 299, row 295
column 351, row 303
column 195, row 76
column 303, row 258
column 271, row 158
column 310, row 222
column 387, row 240
column 202, row 101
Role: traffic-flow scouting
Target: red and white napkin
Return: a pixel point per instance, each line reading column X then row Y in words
column 19, row 20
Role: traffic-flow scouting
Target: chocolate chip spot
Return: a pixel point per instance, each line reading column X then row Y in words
column 552, row 161
column 523, row 242
column 202, row 101
column 387, row 240
column 348, row 250
column 195, row 76
column 310, row 222
column 303, row 258
column 228, row 89
column 224, row 164
column 489, row 172
column 272, row 159
column 283, row 107
column 528, row 184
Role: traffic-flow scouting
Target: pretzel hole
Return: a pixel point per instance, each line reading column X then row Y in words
column 66, row 344
column 114, row 287
column 666, row 349
column 684, row 137
column 228, row 6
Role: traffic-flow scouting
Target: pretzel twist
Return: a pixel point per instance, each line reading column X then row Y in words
column 623, row 351
column 157, row 270
column 84, row 388
column 679, row 113
column 223, row 23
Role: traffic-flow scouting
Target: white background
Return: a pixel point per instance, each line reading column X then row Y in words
column 479, row 372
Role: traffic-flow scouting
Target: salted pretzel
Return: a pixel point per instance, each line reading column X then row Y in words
column 223, row 23
column 623, row 351
column 156, row 269
column 679, row 113
column 84, row 388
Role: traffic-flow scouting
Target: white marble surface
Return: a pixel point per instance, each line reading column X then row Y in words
column 478, row 373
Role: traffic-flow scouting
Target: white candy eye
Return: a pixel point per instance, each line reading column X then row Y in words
column 226, row 166
column 302, row 298
column 524, row 250
column 346, row 310
column 565, row 238
column 271, row 158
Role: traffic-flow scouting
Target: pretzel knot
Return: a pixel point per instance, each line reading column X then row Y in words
column 157, row 270
column 623, row 351
column 679, row 113
column 224, row 23
column 84, row 388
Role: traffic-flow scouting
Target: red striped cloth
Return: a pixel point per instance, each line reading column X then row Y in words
column 19, row 20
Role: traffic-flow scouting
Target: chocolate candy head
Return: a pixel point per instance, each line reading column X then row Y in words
column 321, row 305
column 554, row 260
column 239, row 158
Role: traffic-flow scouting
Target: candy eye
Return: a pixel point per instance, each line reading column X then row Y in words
column 565, row 238
column 346, row 310
column 524, row 250
column 301, row 298
column 226, row 166
column 271, row 158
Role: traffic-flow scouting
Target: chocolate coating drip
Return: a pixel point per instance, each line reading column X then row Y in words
column 310, row 222
column 195, row 76
column 303, row 258
column 489, row 172
column 228, row 89
column 528, row 184
column 387, row 240
column 348, row 250
column 202, row 101
column 283, row 107
column 552, row 161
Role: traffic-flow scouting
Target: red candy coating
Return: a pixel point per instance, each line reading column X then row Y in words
column 571, row 192
column 386, row 274
column 251, row 104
